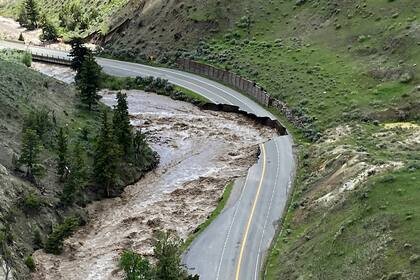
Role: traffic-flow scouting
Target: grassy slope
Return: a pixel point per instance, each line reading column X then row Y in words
column 341, row 63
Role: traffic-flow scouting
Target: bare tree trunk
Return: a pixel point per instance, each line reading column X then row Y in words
column 6, row 269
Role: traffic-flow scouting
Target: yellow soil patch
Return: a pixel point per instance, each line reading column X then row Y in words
column 406, row 125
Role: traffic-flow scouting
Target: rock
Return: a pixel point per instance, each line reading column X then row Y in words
column 407, row 246
column 3, row 170
column 394, row 275
column 406, row 78
column 395, row 15
column 153, row 223
column 414, row 259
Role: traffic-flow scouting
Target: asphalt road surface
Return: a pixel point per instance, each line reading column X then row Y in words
column 233, row 247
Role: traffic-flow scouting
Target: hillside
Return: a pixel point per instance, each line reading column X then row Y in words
column 25, row 208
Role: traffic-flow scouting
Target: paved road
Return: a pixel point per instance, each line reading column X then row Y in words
column 235, row 244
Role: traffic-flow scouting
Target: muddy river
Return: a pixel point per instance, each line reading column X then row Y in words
column 201, row 151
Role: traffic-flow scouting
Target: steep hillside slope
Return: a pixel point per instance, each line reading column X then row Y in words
column 154, row 27
column 22, row 90
column 33, row 204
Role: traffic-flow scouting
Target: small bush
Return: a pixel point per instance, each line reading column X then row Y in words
column 31, row 202
column 27, row 59
column 37, row 240
column 30, row 263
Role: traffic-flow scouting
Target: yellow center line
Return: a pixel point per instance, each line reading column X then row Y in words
column 238, row 268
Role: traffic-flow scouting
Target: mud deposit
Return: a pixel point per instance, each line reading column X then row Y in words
column 200, row 152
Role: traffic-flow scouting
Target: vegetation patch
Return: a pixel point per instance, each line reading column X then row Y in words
column 54, row 243
column 168, row 265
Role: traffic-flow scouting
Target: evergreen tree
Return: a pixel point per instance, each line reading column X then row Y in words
column 31, row 147
column 143, row 154
column 32, row 13
column 121, row 124
column 22, row 16
column 78, row 174
column 88, row 81
column 49, row 31
column 61, row 152
column 106, row 157
column 78, row 52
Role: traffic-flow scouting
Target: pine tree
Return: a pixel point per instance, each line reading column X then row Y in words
column 142, row 152
column 79, row 52
column 32, row 13
column 88, row 81
column 49, row 31
column 106, row 157
column 22, row 17
column 78, row 174
column 121, row 124
column 31, row 147
column 61, row 152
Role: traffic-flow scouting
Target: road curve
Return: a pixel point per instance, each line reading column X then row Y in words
column 235, row 244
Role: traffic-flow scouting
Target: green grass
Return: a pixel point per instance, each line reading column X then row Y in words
column 368, row 232
column 21, row 57
column 192, row 95
column 220, row 206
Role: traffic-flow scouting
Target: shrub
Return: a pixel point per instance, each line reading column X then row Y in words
column 30, row 263
column 27, row 59
column 31, row 202
column 37, row 240
column 54, row 243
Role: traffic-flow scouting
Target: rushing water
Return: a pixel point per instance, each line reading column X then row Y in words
column 200, row 152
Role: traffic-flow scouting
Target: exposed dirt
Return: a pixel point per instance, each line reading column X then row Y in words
column 200, row 152
column 10, row 29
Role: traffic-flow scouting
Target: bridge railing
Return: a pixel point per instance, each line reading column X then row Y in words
column 43, row 57
column 50, row 59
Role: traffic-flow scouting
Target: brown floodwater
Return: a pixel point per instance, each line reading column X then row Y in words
column 201, row 151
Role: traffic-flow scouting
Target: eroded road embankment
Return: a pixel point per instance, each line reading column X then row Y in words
column 200, row 152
